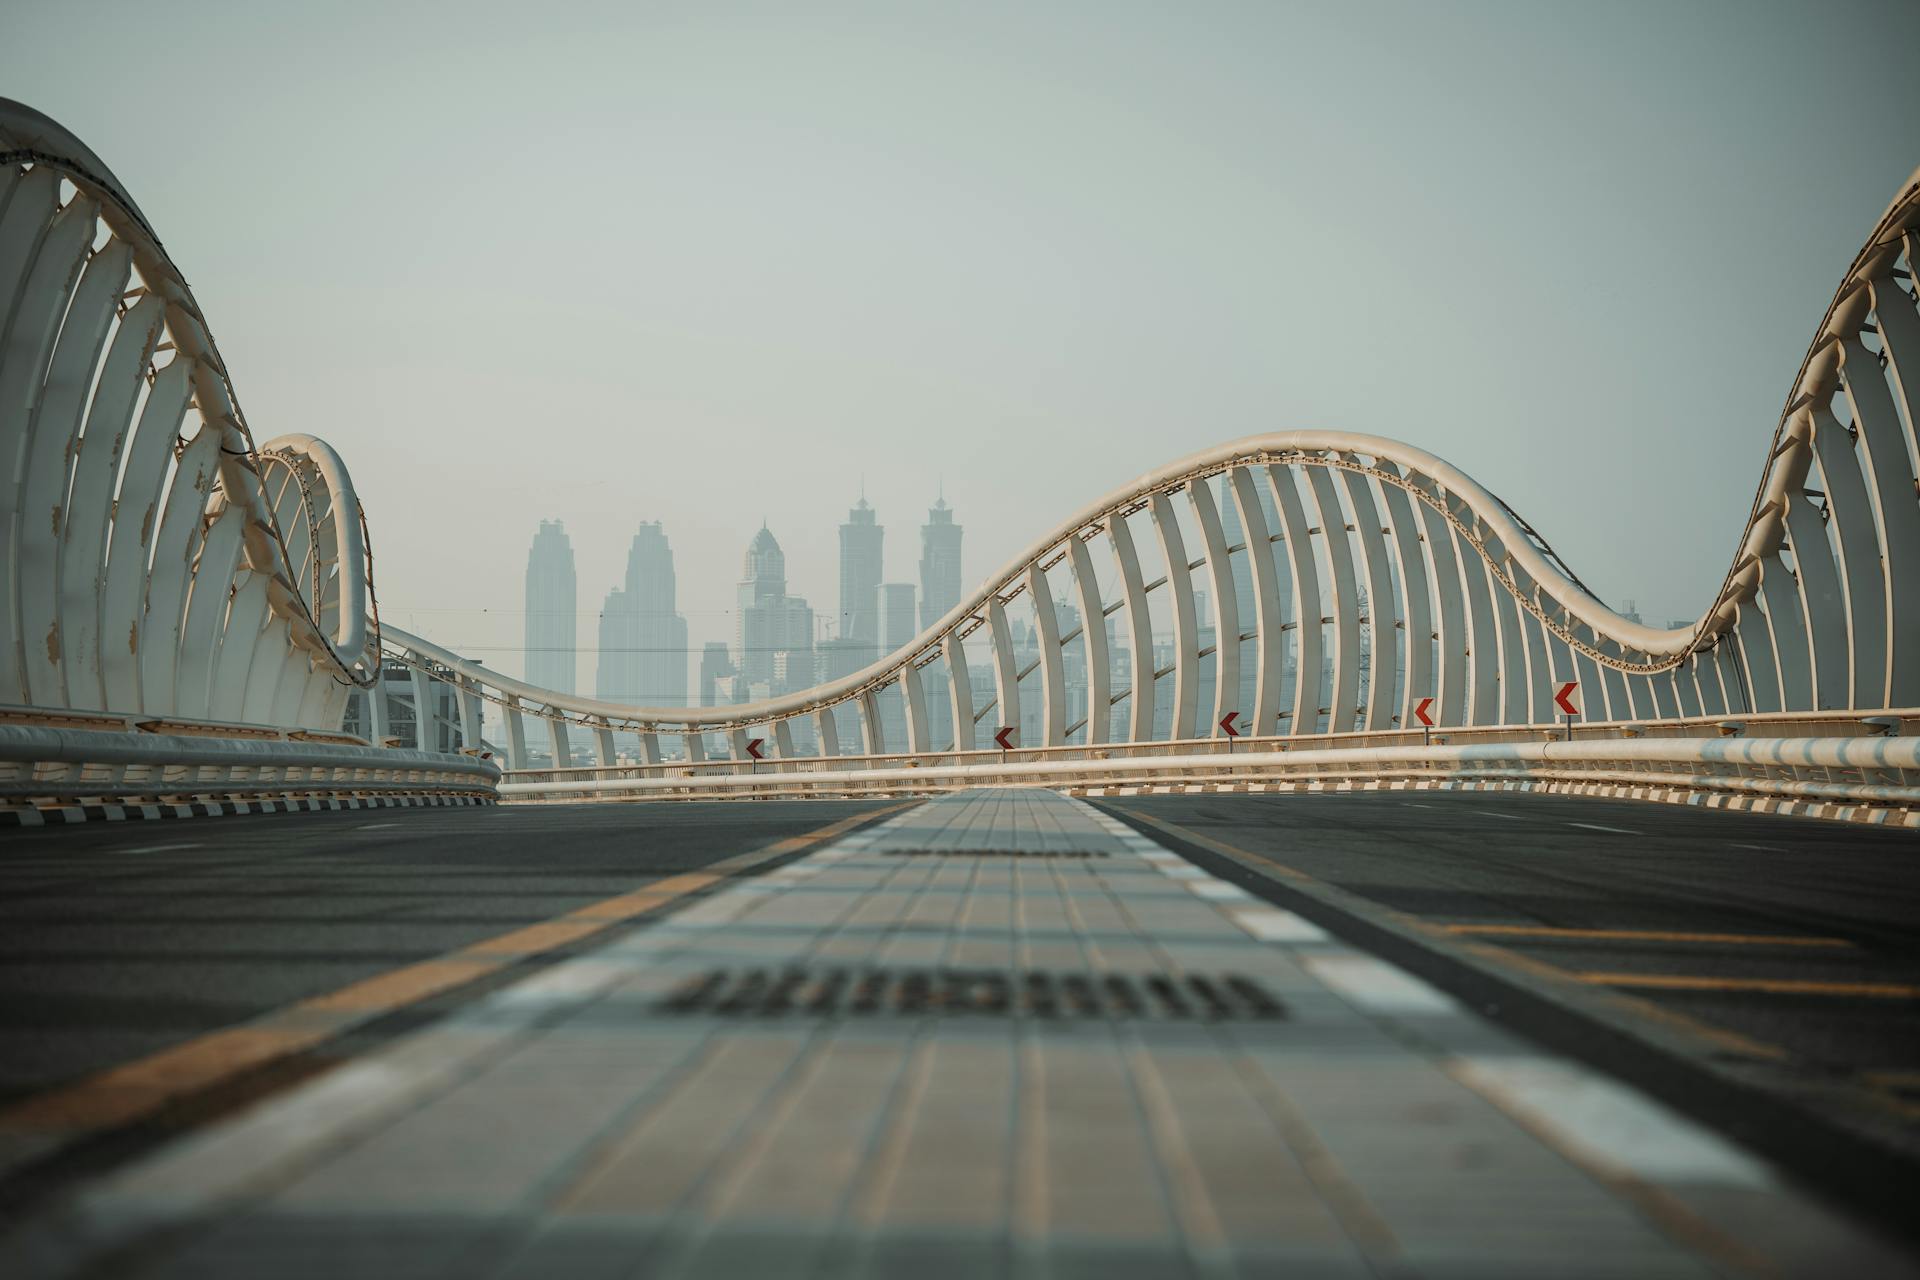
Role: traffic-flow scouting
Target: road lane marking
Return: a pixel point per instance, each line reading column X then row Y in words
column 1217, row 890
column 1379, row 986
column 1271, row 924
column 160, row 848
column 1629, row 1142
column 122, row 1094
column 1644, row 935
column 1768, row 986
column 1612, row 1125
column 375, row 826
column 1763, row 848
column 1495, row 813
column 1902, row 1079
column 1594, row 826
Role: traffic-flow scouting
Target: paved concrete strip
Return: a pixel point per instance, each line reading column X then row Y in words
column 124, row 1094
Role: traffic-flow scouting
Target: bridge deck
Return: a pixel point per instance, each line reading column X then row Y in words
column 998, row 1032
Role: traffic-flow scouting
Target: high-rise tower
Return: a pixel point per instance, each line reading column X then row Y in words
column 551, row 604
column 643, row 638
column 773, row 631
column 896, row 615
column 860, row 542
column 939, row 564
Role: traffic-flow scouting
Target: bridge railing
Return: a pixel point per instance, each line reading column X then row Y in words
column 1771, row 725
column 48, row 766
column 1867, row 773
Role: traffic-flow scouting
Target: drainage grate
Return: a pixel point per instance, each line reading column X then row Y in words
column 1030, row 993
column 995, row 853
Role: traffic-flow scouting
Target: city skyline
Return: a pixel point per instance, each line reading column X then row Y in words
column 550, row 648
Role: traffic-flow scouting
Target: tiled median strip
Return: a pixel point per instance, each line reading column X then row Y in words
column 575, row 1120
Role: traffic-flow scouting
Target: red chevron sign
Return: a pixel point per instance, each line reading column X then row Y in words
column 1420, row 712
column 1001, row 738
column 753, row 748
column 1565, row 698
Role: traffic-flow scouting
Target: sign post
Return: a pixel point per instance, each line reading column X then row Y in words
column 1426, row 721
column 1226, row 722
column 1569, row 704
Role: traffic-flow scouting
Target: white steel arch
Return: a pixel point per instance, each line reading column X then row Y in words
column 154, row 561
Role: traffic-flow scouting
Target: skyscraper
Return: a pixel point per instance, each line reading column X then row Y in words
column 939, row 564
column 773, row 635
column 716, row 665
column 551, row 606
column 896, row 629
column 643, row 638
column 896, row 615
column 860, row 542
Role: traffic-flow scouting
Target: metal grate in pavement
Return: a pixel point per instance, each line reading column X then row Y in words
column 1024, row 993
column 995, row 853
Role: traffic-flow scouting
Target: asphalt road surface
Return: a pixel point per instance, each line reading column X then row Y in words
column 121, row 939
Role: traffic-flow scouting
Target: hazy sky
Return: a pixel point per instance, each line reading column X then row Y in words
column 709, row 263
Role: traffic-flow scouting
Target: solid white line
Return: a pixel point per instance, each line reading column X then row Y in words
column 1609, row 1124
column 1218, row 890
column 1594, row 826
column 1274, row 925
column 1376, row 985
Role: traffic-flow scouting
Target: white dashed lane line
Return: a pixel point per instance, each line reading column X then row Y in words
column 160, row 848
column 1594, row 826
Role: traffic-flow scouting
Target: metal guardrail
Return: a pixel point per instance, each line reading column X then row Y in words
column 1877, row 771
column 1800, row 724
column 118, row 722
column 42, row 765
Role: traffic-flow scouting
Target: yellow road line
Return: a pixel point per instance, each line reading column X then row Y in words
column 120, row 1095
column 407, row 985
column 1644, row 935
column 1772, row 986
column 1893, row 1079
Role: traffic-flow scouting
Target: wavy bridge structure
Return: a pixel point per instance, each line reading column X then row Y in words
column 165, row 574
